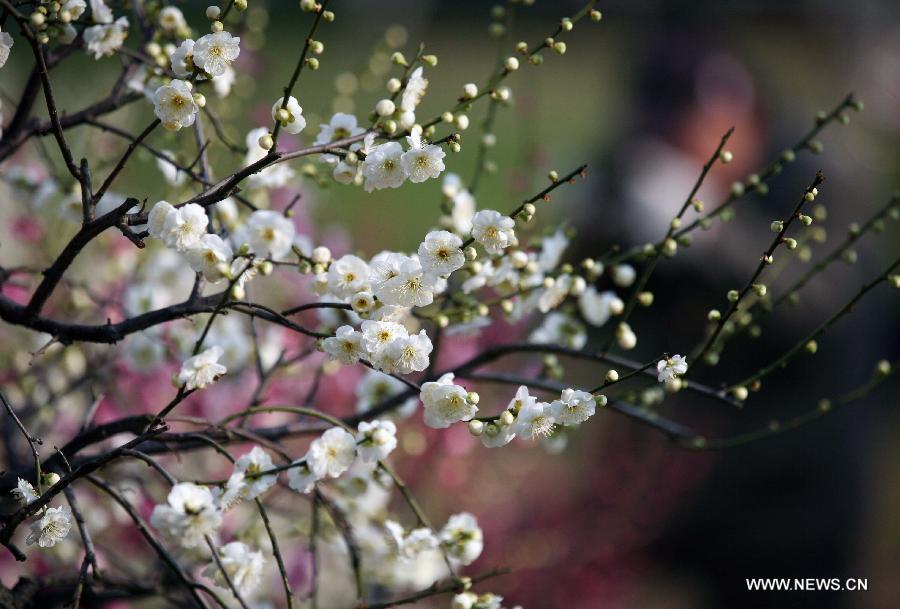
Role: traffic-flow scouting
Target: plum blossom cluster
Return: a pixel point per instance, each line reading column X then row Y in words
column 52, row 524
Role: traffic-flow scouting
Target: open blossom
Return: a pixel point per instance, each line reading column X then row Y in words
column 560, row 329
column 104, row 40
column 462, row 537
column 189, row 514
column 213, row 53
column 415, row 90
column 182, row 59
column 410, row 286
column 210, row 256
column 301, row 478
column 383, row 168
column 275, row 175
column 379, row 334
column 573, row 407
column 534, row 420
column 409, row 545
column 493, row 230
column 202, row 369
column 268, row 233
column 76, row 8
column 174, row 105
column 243, row 567
column 346, row 345
column 51, row 527
column 332, row 453
column 251, row 464
column 446, row 403
column 552, row 249
column 341, row 126
column 375, row 440
column 422, row 161
column 404, row 355
column 100, row 13
column 348, row 275
column 671, row 368
column 441, row 253
column 295, row 122
column 6, row 44
column 597, row 307
column 24, row 492
column 184, row 226
column 171, row 19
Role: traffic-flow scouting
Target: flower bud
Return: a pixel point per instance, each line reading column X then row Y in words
column 266, row 142
column 476, row 427
column 726, row 156
column 213, row 12
column 385, row 107
column 470, row 90
column 612, row 376
column 511, row 64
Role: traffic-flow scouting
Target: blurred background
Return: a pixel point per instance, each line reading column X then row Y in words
column 622, row 518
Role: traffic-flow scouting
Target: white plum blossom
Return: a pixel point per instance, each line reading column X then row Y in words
column 408, row 546
column 573, row 407
column 234, row 491
column 189, row 515
column 104, row 40
column 348, row 275
column 214, row 53
column 268, row 233
column 411, row 286
column 24, row 492
column 377, row 335
column 441, row 253
column 100, row 13
column 534, row 420
column 597, row 307
column 560, row 329
column 332, row 453
column 462, row 538
column 295, row 122
column 346, row 346
column 375, row 440
column 184, row 227
column 51, row 527
column 375, row 387
column 6, row 44
column 671, row 368
column 422, row 161
column 251, row 465
column 416, row 85
column 76, row 8
column 446, row 403
column 243, row 567
column 554, row 295
column 341, row 126
column 182, row 59
column 171, row 19
column 156, row 219
column 144, row 351
column 382, row 167
column 222, row 84
column 496, row 435
column 167, row 166
column 552, row 249
column 210, row 256
column 140, row 298
column 493, row 230
column 404, row 355
column 174, row 105
column 345, row 173
column 275, row 175
column 201, row 370
column 301, row 478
